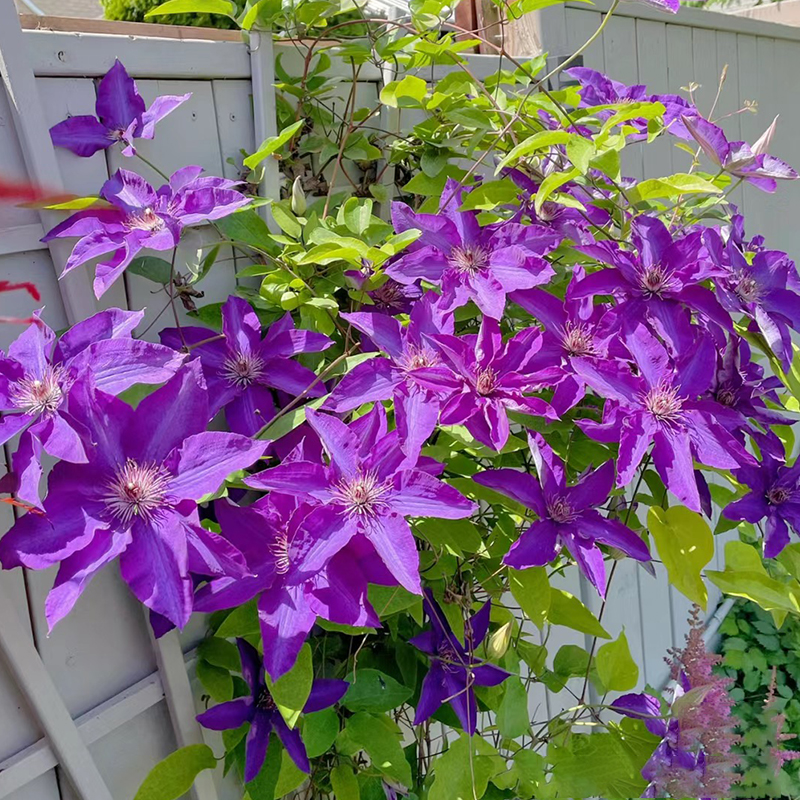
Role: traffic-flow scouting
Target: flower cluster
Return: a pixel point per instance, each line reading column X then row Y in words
column 621, row 341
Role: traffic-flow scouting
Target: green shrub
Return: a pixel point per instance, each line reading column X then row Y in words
column 134, row 11
column 753, row 649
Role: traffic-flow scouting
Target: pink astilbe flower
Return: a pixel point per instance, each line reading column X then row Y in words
column 706, row 722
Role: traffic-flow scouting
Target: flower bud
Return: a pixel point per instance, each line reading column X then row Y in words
column 499, row 641
column 299, row 204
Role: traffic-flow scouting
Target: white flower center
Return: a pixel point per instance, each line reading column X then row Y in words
column 559, row 510
column 485, row 382
column 469, row 259
column 654, row 281
column 418, row 357
column 39, row 395
column 747, row 288
column 577, row 340
column 362, row 496
column 146, row 220
column 137, row 490
column 242, row 369
column 664, row 403
column 279, row 550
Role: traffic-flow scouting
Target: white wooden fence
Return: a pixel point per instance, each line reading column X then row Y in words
column 130, row 699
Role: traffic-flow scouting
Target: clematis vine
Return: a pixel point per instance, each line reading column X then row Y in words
column 493, row 377
column 663, row 404
column 121, row 117
column 278, row 544
column 774, row 496
column 574, row 328
column 135, row 497
column 260, row 710
column 753, row 165
column 368, row 487
column 241, row 366
column 142, row 217
column 39, row 371
column 470, row 262
column 760, row 288
column 568, row 515
column 411, row 350
column 454, row 667
column 660, row 282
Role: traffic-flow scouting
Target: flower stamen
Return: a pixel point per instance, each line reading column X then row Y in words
column 137, row 490
column 40, row 395
column 469, row 259
column 242, row 369
column 362, row 496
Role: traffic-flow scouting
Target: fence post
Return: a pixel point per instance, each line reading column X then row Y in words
column 265, row 122
column 39, row 154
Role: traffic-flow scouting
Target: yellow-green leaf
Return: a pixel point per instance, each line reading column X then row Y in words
column 344, row 783
column 568, row 610
column 291, row 691
column 271, row 143
column 410, row 87
column 531, row 590
column 685, row 544
column 672, row 186
column 223, row 7
column 174, row 776
column 616, row 667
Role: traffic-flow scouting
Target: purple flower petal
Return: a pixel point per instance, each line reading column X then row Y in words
column 286, row 621
column 256, row 745
column 228, row 716
column 118, row 101
column 394, row 543
column 537, row 546
column 84, row 135
column 421, row 495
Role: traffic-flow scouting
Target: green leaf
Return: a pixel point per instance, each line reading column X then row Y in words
column 152, row 268
column 531, row 590
column 220, row 653
column 388, row 600
column 286, row 220
column 215, row 680
column 223, row 7
column 463, row 772
column 174, row 776
column 371, row 690
column 539, row 141
column 291, row 691
column 551, row 183
column 685, row 544
column 672, row 186
column 289, row 777
column 242, row 621
column 568, row 610
column 379, row 738
column 457, row 536
column 273, row 143
column 745, row 576
column 79, row 204
column 320, row 730
column 489, row 195
column 512, row 716
column 616, row 667
column 344, row 783
column 580, row 152
column 247, row 227
column 410, row 88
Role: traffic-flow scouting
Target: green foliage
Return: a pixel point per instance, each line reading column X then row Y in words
column 137, row 10
column 174, row 776
column 753, row 647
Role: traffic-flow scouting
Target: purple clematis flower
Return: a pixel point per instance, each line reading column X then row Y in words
column 660, row 405
column 261, row 711
column 393, row 298
column 409, row 349
column 774, row 495
column 467, row 261
column 568, row 515
column 574, row 328
column 600, row 90
column 660, row 281
column 277, row 544
column 493, row 377
column 143, row 218
column 738, row 158
column 761, row 288
column 135, row 497
column 39, row 371
column 240, row 367
column 566, row 222
column 121, row 117
column 454, row 669
column 739, row 386
column 369, row 487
